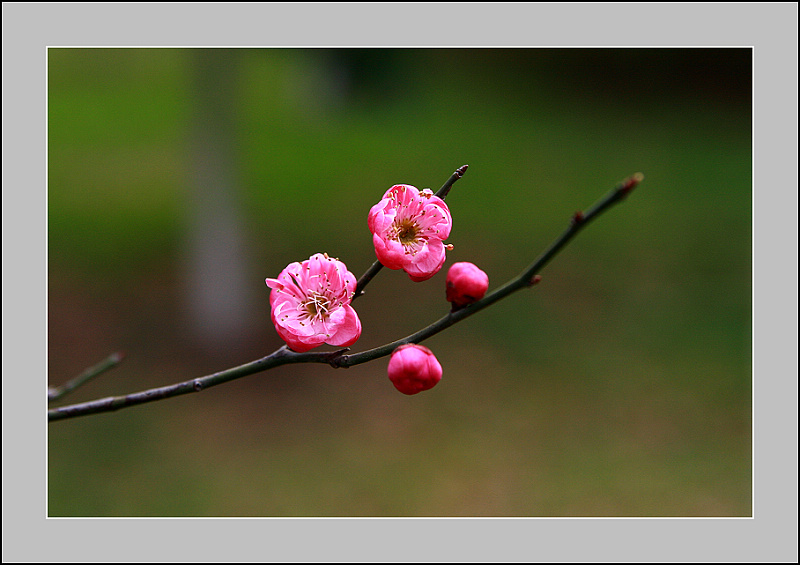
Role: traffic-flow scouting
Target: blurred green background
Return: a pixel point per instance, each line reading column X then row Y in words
column 620, row 386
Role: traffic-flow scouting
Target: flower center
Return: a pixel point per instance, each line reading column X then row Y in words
column 316, row 306
column 407, row 231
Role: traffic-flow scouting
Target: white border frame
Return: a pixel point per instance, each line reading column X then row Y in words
column 770, row 28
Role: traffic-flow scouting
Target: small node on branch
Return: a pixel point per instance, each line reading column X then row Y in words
column 630, row 183
column 577, row 218
column 334, row 358
column 534, row 280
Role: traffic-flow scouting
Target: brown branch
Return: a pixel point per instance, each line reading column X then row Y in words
column 56, row 392
column 284, row 355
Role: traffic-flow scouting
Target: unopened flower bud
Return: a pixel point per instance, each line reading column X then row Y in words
column 466, row 284
column 414, row 368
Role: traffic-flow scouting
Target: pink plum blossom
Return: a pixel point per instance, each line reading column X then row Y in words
column 414, row 368
column 408, row 227
column 311, row 304
column 466, row 283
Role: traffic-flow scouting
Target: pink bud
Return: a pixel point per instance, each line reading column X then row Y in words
column 414, row 368
column 466, row 283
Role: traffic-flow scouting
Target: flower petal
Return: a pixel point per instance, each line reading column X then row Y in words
column 389, row 252
column 427, row 262
column 348, row 331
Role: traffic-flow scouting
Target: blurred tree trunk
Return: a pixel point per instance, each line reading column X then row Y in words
column 218, row 289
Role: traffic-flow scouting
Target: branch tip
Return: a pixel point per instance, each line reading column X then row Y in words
column 459, row 172
column 630, row 183
column 57, row 392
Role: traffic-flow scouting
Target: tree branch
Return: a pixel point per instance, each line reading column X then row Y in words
column 56, row 392
column 284, row 355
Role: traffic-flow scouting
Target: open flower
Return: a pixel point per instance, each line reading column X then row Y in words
column 414, row 368
column 311, row 304
column 408, row 227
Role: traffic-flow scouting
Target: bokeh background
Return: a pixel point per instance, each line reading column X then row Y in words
column 178, row 179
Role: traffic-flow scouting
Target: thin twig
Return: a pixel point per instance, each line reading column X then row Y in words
column 377, row 266
column 442, row 192
column 284, row 355
column 281, row 356
column 56, row 392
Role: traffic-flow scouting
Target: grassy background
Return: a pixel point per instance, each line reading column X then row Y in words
column 620, row 386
